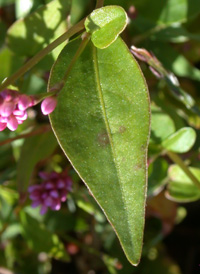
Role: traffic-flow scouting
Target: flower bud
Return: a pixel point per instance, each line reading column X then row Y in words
column 24, row 102
column 48, row 105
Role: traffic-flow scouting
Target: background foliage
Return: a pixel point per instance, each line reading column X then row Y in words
column 78, row 239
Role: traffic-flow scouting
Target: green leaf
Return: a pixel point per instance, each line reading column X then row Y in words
column 102, row 124
column 175, row 34
column 162, row 125
column 10, row 63
column 181, row 141
column 173, row 60
column 79, row 7
column 30, row 35
column 34, row 149
column 105, row 25
column 23, row 7
column 3, row 32
column 167, row 12
column 180, row 187
column 6, row 2
column 40, row 239
column 157, row 174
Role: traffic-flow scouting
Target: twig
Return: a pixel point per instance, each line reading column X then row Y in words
column 99, row 4
column 26, row 135
column 176, row 159
column 34, row 60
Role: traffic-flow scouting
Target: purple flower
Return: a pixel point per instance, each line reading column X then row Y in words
column 48, row 105
column 51, row 192
column 13, row 108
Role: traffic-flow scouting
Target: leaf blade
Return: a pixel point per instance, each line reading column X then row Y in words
column 181, row 141
column 43, row 146
column 97, row 139
column 180, row 188
column 105, row 25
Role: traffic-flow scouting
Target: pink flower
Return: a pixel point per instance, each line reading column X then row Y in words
column 13, row 109
column 51, row 192
column 48, row 105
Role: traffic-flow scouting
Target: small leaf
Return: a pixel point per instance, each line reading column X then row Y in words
column 181, row 141
column 34, row 149
column 180, row 187
column 162, row 125
column 102, row 124
column 105, row 25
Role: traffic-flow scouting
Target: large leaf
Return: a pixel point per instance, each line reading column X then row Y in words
column 102, row 124
column 181, row 188
column 105, row 25
column 28, row 36
column 181, row 141
column 34, row 149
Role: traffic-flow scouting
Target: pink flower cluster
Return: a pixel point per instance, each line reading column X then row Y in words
column 13, row 108
column 51, row 192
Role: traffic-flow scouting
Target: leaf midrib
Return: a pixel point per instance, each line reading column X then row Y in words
column 100, row 93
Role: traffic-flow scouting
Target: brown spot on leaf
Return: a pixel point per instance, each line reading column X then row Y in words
column 103, row 139
column 122, row 129
column 137, row 167
column 143, row 147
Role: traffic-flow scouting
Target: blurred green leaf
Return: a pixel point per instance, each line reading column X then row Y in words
column 167, row 12
column 3, row 32
column 157, row 174
column 173, row 60
column 6, row 2
column 91, row 209
column 180, row 141
column 10, row 63
column 34, row 149
column 11, row 231
column 33, row 85
column 162, row 125
column 79, row 7
column 105, row 25
column 36, row 31
column 23, row 7
column 180, row 188
column 40, row 239
column 104, row 133
column 174, row 34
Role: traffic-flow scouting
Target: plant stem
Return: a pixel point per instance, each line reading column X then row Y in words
column 139, row 38
column 99, row 4
column 176, row 159
column 26, row 135
column 59, row 86
column 34, row 60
